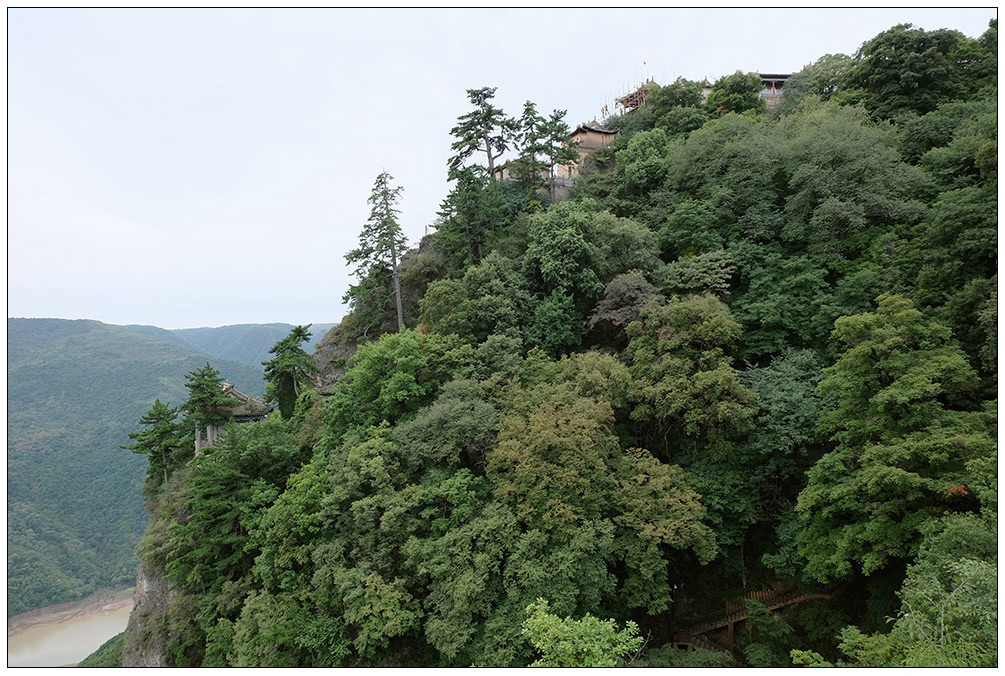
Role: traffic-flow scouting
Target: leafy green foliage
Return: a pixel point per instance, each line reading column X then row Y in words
column 559, row 468
column 846, row 181
column 528, row 169
column 823, row 79
column 949, row 614
column 907, row 69
column 686, row 383
column 560, row 256
column 276, row 633
column 900, row 451
column 772, row 638
column 208, row 401
column 224, row 498
column 736, row 93
column 788, row 408
column 678, row 108
column 557, row 326
column 624, row 298
column 381, row 243
column 458, row 429
column 491, row 298
column 669, row 656
column 711, row 272
column 388, row 380
column 730, row 409
column 588, row 642
column 471, row 218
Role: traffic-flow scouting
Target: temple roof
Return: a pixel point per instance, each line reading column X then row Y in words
column 249, row 406
column 593, row 126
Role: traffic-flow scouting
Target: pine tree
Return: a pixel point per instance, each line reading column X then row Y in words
column 161, row 443
column 484, row 129
column 470, row 219
column 209, row 402
column 529, row 168
column 290, row 369
column 381, row 240
column 557, row 146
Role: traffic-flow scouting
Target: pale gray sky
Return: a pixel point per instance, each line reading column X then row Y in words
column 191, row 168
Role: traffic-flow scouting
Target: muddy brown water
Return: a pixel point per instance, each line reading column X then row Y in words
column 66, row 642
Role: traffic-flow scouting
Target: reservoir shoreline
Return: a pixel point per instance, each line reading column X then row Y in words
column 104, row 602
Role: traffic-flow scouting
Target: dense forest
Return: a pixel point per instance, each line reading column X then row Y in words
column 752, row 356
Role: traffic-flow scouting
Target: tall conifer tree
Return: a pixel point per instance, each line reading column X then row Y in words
column 209, row 402
column 291, row 368
column 381, row 241
column 558, row 148
column 484, row 129
column 161, row 442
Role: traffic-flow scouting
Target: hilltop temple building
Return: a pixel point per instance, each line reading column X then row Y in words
column 250, row 409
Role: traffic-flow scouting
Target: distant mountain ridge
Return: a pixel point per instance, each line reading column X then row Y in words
column 76, row 389
column 247, row 344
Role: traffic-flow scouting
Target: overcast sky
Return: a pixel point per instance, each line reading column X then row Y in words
column 188, row 168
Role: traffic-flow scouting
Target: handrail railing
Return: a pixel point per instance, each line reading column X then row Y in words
column 735, row 612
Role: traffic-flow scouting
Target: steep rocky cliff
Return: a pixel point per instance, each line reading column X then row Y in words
column 146, row 637
column 331, row 356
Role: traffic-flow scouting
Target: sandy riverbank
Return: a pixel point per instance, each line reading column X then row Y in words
column 103, row 602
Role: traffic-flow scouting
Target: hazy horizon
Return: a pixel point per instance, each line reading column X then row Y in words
column 226, row 325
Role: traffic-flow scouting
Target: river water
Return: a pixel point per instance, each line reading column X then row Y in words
column 53, row 645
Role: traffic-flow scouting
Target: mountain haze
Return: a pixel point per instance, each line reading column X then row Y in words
column 245, row 343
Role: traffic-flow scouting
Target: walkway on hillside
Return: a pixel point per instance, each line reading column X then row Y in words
column 695, row 635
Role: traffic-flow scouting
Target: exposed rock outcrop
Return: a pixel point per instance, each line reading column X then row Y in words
column 146, row 641
column 331, row 357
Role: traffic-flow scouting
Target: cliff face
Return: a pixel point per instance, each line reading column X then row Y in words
column 331, row 357
column 146, row 639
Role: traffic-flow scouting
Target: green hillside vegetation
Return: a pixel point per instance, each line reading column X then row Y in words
column 75, row 390
column 755, row 351
column 247, row 344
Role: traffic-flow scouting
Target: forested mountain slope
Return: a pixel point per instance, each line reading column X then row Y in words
column 244, row 343
column 754, row 352
column 74, row 503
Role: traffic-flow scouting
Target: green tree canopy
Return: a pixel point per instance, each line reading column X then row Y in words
column 687, row 385
column 558, row 149
column 164, row 442
column 902, row 447
column 289, row 371
column 388, row 380
column 471, row 218
column 587, row 642
column 907, row 69
column 736, row 93
column 530, row 168
column 208, row 402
